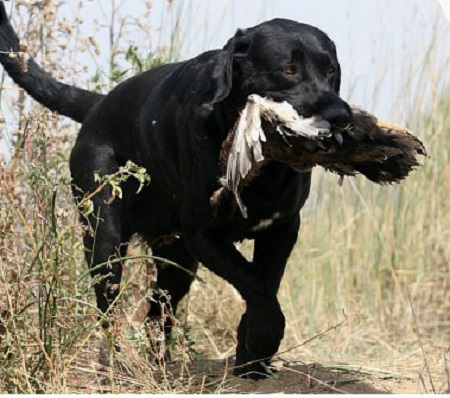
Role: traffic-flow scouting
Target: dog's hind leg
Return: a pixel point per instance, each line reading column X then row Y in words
column 173, row 284
column 105, row 245
column 105, row 237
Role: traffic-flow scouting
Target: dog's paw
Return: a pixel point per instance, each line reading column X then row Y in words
column 257, row 370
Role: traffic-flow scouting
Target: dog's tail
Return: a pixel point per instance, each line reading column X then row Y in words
column 67, row 100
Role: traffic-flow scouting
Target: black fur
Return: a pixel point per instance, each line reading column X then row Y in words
column 172, row 120
column 68, row 100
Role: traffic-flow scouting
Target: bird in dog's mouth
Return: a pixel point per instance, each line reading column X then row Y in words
column 267, row 130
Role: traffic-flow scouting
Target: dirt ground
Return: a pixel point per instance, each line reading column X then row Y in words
column 425, row 371
column 312, row 379
column 301, row 378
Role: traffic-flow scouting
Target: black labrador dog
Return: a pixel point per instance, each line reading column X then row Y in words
column 172, row 120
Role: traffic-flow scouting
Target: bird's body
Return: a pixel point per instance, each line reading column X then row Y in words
column 267, row 130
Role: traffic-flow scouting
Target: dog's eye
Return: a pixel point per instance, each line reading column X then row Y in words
column 290, row 69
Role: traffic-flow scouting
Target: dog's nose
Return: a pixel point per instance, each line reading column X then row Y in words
column 337, row 115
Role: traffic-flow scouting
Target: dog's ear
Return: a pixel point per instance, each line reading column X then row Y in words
column 222, row 72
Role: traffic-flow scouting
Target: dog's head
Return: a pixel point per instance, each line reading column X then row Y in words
column 286, row 61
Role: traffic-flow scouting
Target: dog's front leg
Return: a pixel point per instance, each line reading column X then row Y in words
column 222, row 257
column 262, row 326
column 272, row 249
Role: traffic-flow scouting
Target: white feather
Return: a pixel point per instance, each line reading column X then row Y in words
column 247, row 147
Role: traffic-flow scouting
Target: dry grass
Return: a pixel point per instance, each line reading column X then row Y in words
column 375, row 258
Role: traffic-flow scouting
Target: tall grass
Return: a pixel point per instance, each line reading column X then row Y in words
column 382, row 253
column 376, row 256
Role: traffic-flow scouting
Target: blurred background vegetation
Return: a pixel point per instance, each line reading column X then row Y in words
column 377, row 258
